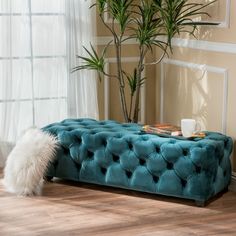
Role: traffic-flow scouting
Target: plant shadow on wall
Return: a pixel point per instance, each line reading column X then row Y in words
column 151, row 23
column 219, row 11
column 194, row 92
column 189, row 94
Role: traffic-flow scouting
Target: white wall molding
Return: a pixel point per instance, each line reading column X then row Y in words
column 103, row 40
column 185, row 43
column 107, row 88
column 226, row 22
column 205, row 45
column 201, row 67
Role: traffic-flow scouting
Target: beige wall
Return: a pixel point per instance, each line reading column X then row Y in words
column 197, row 81
column 199, row 78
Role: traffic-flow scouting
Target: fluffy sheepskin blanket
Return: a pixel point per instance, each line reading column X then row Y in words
column 27, row 163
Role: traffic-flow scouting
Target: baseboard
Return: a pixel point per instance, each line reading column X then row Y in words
column 232, row 186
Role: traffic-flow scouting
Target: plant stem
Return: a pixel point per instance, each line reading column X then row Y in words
column 139, row 75
column 107, row 26
column 119, row 76
column 160, row 59
column 109, row 75
column 131, row 106
column 121, row 80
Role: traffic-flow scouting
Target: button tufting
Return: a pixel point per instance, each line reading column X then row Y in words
column 103, row 170
column 142, row 162
column 155, row 178
column 157, row 149
column 78, row 165
column 66, row 151
column 130, row 146
column 121, row 155
column 183, row 182
column 115, row 158
column 169, row 165
column 185, row 152
column 128, row 173
column 90, row 154
column 226, row 143
column 198, row 169
column 104, row 143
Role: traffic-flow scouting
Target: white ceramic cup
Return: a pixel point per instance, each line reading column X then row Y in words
column 189, row 127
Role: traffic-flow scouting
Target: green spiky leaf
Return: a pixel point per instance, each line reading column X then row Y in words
column 134, row 81
column 93, row 61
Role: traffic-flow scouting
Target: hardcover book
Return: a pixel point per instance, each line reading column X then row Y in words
column 167, row 129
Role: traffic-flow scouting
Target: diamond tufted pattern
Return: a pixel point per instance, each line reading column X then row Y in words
column 116, row 154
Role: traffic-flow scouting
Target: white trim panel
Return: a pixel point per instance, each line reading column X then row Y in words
column 205, row 45
column 186, row 43
column 226, row 22
column 103, row 40
column 204, row 67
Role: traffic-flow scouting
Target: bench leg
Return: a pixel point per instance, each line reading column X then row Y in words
column 48, row 178
column 200, row 203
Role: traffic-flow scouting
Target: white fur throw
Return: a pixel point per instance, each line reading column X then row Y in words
column 28, row 161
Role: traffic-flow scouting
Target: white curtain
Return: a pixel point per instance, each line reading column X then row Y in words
column 39, row 41
column 81, row 23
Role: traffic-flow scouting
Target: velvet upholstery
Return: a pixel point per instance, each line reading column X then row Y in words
column 115, row 154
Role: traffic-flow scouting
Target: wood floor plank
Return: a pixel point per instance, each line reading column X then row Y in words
column 68, row 208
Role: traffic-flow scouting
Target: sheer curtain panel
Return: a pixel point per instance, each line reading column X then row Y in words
column 38, row 46
column 81, row 21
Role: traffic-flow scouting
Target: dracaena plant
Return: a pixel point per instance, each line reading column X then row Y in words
column 152, row 23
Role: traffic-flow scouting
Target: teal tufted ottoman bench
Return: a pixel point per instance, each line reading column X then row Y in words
column 120, row 155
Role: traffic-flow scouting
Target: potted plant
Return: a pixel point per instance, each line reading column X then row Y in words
column 152, row 23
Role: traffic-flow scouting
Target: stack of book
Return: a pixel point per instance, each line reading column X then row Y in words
column 166, row 129
column 169, row 129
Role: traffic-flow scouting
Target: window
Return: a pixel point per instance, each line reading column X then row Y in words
column 33, row 61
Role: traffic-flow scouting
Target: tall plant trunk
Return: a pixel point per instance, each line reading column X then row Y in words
column 139, row 76
column 131, row 107
column 136, row 106
column 121, row 81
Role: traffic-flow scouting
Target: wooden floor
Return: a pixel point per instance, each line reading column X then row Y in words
column 68, row 208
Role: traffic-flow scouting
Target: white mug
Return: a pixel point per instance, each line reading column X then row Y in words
column 189, row 127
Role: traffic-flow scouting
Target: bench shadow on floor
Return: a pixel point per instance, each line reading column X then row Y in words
column 121, row 191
